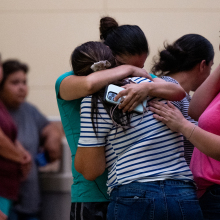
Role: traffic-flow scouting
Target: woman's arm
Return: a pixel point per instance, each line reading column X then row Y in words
column 205, row 94
column 75, row 87
column 52, row 138
column 137, row 93
column 90, row 161
column 8, row 149
column 206, row 142
column 15, row 152
column 27, row 161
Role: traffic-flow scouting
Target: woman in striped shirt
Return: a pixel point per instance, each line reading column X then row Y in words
column 148, row 177
column 187, row 62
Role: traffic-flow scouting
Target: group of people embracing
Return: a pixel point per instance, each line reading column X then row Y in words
column 161, row 164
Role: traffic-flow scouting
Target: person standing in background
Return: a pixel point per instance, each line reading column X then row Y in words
column 34, row 130
column 15, row 161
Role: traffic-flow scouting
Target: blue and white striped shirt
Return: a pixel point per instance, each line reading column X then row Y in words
column 183, row 106
column 148, row 152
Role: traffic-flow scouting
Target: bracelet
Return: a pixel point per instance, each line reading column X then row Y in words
column 191, row 132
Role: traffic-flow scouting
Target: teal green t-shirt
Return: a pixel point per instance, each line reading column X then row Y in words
column 153, row 76
column 82, row 190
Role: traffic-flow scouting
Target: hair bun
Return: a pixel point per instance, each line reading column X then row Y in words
column 176, row 51
column 107, row 24
column 173, row 56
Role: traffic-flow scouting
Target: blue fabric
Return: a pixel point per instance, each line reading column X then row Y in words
column 210, row 203
column 153, row 76
column 30, row 123
column 167, row 200
column 5, row 205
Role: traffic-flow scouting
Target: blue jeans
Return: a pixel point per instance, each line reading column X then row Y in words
column 159, row 200
column 210, row 203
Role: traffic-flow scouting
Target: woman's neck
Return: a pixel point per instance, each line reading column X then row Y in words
column 185, row 79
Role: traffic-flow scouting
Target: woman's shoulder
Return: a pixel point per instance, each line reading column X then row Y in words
column 169, row 79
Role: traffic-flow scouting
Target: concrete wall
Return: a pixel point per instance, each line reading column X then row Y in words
column 43, row 33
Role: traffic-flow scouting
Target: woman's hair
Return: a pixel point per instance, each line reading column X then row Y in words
column 124, row 39
column 82, row 58
column 183, row 55
column 85, row 55
column 10, row 67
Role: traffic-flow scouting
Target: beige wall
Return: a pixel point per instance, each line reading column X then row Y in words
column 43, row 33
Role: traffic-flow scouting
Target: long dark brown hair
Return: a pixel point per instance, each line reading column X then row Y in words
column 82, row 58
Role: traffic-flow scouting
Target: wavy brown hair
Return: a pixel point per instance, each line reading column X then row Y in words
column 82, row 58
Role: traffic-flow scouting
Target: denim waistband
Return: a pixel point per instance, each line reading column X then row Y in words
column 158, row 185
column 164, row 183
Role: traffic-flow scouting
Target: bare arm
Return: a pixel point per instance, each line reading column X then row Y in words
column 9, row 150
column 205, row 94
column 52, row 141
column 27, row 161
column 137, row 93
column 74, row 87
column 167, row 90
column 90, row 161
column 206, row 142
column 15, row 152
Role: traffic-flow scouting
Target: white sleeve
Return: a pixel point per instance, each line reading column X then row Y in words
column 88, row 138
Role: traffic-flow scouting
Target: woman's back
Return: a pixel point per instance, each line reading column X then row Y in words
column 146, row 151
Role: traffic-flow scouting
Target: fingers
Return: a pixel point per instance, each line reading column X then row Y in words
column 133, row 96
column 54, row 156
column 127, row 103
column 171, row 105
column 159, row 118
column 54, row 153
column 133, row 106
column 130, row 100
column 25, row 170
column 160, row 108
column 160, row 105
column 149, row 77
column 120, row 94
column 157, row 111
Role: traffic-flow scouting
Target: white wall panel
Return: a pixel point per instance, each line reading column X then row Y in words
column 43, row 33
column 161, row 4
column 22, row 5
column 44, row 99
column 166, row 26
column 46, row 41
